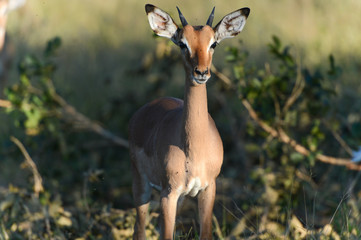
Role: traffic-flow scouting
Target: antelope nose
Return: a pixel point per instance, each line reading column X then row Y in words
column 199, row 72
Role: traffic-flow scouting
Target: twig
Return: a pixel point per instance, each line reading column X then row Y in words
column 283, row 137
column 5, row 103
column 306, row 178
column 70, row 114
column 38, row 186
column 86, row 123
column 277, row 106
column 337, row 136
column 296, row 91
column 221, row 76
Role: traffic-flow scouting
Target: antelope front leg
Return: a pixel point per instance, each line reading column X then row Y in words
column 205, row 208
column 139, row 228
column 141, row 195
column 168, row 214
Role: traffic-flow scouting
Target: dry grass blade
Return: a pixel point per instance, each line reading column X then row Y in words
column 38, row 181
column 217, row 230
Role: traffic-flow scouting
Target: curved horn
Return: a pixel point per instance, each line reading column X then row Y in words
column 182, row 18
column 210, row 19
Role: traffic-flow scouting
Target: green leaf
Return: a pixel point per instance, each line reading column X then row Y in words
column 252, row 95
column 230, row 58
column 268, row 81
column 52, row 46
column 256, row 83
column 296, row 157
column 24, row 80
column 238, row 71
column 276, row 42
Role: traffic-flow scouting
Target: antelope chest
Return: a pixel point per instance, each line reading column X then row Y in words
column 190, row 175
column 195, row 178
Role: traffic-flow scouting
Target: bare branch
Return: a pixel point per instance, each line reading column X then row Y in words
column 283, row 137
column 38, row 181
column 221, row 76
column 337, row 136
column 70, row 114
column 5, row 103
column 296, row 91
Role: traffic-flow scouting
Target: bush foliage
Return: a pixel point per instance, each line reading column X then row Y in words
column 267, row 189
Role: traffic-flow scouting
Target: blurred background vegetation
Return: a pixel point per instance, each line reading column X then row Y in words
column 102, row 61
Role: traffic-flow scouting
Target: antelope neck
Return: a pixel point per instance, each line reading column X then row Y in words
column 195, row 120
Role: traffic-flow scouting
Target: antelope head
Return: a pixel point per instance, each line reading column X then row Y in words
column 197, row 43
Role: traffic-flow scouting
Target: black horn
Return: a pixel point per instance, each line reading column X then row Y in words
column 210, row 19
column 182, row 18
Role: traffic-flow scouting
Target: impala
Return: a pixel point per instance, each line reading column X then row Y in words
column 175, row 146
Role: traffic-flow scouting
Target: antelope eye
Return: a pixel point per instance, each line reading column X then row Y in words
column 182, row 45
column 214, row 45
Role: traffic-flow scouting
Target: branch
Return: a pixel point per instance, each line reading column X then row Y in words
column 221, row 76
column 5, row 103
column 296, row 91
column 70, row 114
column 283, row 137
column 38, row 181
column 339, row 139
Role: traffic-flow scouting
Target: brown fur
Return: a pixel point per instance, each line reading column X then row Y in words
column 198, row 40
column 174, row 144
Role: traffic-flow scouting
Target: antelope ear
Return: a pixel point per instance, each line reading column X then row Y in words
column 231, row 24
column 160, row 22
